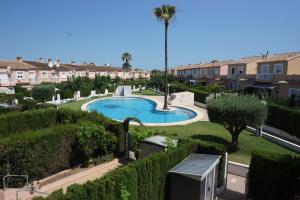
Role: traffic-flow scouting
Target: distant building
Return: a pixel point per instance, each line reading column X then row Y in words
column 28, row 73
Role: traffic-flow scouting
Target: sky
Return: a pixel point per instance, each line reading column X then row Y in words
column 100, row 31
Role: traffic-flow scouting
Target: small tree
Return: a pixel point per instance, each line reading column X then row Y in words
column 235, row 113
column 43, row 92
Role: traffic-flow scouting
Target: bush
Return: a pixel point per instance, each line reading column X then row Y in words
column 29, row 120
column 274, row 176
column 199, row 95
column 24, row 91
column 95, row 141
column 29, row 104
column 43, row 92
column 139, row 180
column 19, row 97
column 5, row 110
column 137, row 134
column 85, row 90
column 39, row 153
column 284, row 118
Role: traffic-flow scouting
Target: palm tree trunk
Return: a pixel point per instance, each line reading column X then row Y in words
column 166, row 65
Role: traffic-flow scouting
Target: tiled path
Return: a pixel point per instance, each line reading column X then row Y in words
column 80, row 178
column 235, row 188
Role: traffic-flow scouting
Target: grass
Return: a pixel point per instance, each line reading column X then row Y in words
column 146, row 92
column 211, row 132
column 76, row 105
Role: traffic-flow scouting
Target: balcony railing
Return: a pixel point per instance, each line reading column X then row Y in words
column 264, row 77
column 232, row 76
column 7, row 82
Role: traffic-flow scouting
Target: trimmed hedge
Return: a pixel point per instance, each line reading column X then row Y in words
column 28, row 120
column 274, row 176
column 40, row 153
column 18, row 122
column 47, row 151
column 284, row 118
column 144, row 179
column 199, row 95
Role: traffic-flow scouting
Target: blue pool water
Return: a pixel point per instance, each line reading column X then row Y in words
column 143, row 109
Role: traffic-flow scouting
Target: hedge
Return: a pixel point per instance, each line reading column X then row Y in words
column 29, row 120
column 199, row 95
column 274, row 176
column 39, row 153
column 144, row 179
column 284, row 118
column 47, row 151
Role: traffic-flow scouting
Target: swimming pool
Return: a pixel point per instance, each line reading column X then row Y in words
column 119, row 108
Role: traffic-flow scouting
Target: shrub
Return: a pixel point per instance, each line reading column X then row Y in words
column 137, row 134
column 284, row 118
column 235, row 113
column 199, row 95
column 85, row 90
column 19, row 97
column 24, row 91
column 274, row 176
column 39, row 153
column 95, row 141
column 140, row 180
column 28, row 120
column 43, row 92
column 29, row 104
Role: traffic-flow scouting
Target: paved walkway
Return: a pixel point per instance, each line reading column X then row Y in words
column 80, row 178
column 235, row 188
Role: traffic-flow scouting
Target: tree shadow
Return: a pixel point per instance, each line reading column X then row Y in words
column 211, row 138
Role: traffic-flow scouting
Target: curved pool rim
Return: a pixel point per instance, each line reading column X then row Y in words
column 198, row 114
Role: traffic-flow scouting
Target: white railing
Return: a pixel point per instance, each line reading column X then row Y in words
column 7, row 82
column 264, row 77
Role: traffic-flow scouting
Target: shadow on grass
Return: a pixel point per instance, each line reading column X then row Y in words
column 211, row 138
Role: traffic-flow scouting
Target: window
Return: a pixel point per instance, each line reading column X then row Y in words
column 241, row 69
column 44, row 74
column 278, row 68
column 294, row 91
column 20, row 75
column 264, row 69
column 232, row 70
column 31, row 74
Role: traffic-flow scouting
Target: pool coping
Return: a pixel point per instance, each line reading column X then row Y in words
column 199, row 114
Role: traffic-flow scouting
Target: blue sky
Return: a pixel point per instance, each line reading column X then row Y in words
column 100, row 31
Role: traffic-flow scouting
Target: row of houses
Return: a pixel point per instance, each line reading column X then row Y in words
column 277, row 74
column 28, row 73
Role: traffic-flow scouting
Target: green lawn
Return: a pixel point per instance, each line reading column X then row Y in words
column 212, row 132
column 76, row 105
column 146, row 92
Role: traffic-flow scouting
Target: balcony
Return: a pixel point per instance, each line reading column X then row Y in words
column 232, row 76
column 7, row 82
column 34, row 81
column 264, row 77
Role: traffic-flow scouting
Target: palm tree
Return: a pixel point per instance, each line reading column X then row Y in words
column 165, row 14
column 126, row 57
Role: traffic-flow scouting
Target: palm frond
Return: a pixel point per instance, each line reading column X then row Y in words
column 164, row 13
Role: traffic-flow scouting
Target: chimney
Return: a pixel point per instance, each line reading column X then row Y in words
column 57, row 62
column 19, row 58
column 50, row 63
column 214, row 61
column 41, row 60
